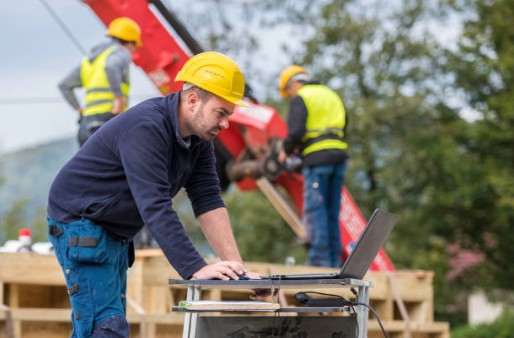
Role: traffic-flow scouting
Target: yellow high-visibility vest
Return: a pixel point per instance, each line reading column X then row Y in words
column 326, row 119
column 99, row 96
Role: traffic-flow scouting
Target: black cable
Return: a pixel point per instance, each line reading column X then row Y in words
column 63, row 26
column 274, row 323
column 327, row 294
column 277, row 314
column 356, row 321
column 376, row 316
column 352, row 304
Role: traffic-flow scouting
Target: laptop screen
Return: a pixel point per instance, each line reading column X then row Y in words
column 368, row 245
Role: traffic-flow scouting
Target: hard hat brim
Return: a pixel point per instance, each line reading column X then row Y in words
column 241, row 103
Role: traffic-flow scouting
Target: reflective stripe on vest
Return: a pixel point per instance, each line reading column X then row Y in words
column 326, row 119
column 99, row 96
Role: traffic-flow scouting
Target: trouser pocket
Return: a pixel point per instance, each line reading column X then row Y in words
column 87, row 243
column 83, row 309
column 57, row 237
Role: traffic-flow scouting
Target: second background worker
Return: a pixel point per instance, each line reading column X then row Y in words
column 316, row 130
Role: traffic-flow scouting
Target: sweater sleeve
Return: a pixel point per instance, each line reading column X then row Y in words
column 144, row 151
column 68, row 84
column 203, row 186
column 296, row 121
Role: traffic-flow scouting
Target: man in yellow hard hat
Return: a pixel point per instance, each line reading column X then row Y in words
column 316, row 130
column 126, row 175
column 104, row 75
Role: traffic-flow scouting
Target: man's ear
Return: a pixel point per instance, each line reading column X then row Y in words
column 192, row 99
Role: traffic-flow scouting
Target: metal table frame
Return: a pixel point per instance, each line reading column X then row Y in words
column 194, row 288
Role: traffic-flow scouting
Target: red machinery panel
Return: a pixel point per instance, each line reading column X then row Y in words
column 161, row 56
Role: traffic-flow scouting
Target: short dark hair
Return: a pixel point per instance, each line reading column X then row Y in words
column 202, row 93
column 121, row 41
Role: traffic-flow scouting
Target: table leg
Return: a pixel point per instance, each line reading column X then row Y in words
column 362, row 311
column 190, row 319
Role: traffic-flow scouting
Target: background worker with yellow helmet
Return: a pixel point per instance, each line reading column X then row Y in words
column 126, row 175
column 104, row 75
column 316, row 132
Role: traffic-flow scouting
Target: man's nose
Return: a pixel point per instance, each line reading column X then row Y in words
column 224, row 123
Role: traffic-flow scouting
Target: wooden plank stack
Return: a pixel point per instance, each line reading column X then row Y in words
column 34, row 301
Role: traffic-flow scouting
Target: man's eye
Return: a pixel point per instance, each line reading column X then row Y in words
column 222, row 113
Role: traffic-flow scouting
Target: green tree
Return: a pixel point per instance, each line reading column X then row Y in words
column 408, row 145
column 261, row 233
column 14, row 220
column 501, row 328
column 405, row 89
column 484, row 70
column 384, row 64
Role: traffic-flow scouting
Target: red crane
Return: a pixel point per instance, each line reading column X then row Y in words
column 246, row 151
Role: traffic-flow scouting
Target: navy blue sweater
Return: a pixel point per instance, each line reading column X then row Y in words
column 127, row 172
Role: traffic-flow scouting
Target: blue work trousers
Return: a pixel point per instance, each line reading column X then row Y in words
column 95, row 268
column 322, row 200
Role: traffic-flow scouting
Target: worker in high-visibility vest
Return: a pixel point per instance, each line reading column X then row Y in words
column 104, row 75
column 316, row 132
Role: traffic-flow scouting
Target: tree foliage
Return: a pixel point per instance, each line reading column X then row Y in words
column 13, row 220
column 262, row 234
column 405, row 86
column 501, row 328
column 484, row 71
column 405, row 148
column 408, row 87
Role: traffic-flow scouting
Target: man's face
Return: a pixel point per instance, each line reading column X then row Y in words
column 211, row 117
column 131, row 47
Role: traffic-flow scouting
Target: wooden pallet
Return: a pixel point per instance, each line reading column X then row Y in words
column 36, row 304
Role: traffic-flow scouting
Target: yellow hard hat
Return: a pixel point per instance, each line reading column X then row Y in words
column 125, row 29
column 215, row 73
column 286, row 75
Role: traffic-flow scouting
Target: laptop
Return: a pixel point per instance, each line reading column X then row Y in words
column 378, row 228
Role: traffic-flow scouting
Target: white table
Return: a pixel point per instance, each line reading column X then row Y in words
column 194, row 288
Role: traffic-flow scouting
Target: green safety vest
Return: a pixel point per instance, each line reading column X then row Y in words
column 326, row 119
column 99, row 96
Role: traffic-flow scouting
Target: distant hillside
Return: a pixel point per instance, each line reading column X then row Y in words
column 27, row 174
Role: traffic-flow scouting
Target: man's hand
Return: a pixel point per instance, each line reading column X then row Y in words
column 224, row 270
column 79, row 110
column 281, row 157
column 118, row 105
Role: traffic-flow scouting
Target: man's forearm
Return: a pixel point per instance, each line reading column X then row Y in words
column 216, row 227
column 68, row 84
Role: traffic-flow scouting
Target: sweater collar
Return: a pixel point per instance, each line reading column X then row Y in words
column 174, row 103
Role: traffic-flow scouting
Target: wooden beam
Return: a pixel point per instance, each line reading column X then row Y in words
column 283, row 208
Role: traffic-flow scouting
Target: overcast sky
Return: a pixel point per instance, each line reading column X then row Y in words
column 35, row 54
